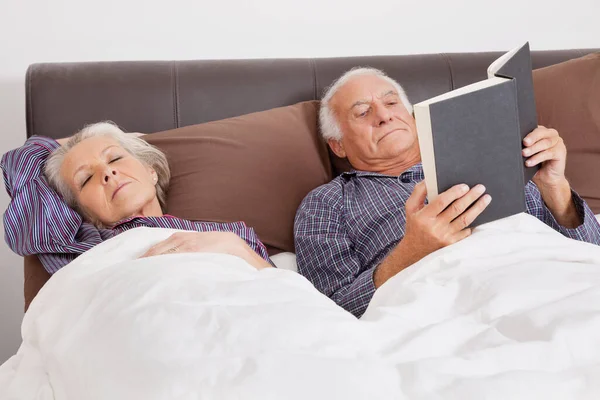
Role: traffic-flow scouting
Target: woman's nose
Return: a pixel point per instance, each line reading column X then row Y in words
column 108, row 174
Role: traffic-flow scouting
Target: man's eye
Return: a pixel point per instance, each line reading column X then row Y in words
column 392, row 103
column 115, row 159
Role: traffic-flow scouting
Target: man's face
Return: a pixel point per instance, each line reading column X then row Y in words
column 377, row 130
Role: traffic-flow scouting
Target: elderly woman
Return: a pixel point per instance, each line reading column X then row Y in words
column 70, row 195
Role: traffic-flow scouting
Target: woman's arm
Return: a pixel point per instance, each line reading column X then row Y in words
column 37, row 220
column 208, row 242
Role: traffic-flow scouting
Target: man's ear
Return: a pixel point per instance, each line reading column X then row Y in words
column 337, row 147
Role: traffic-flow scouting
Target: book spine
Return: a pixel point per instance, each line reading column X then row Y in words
column 425, row 136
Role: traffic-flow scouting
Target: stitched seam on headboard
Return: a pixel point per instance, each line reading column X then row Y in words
column 313, row 65
column 29, row 103
column 449, row 64
column 175, row 83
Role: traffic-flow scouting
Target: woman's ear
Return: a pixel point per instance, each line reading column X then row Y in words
column 153, row 175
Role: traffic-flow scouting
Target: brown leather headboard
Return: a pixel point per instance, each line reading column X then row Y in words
column 152, row 96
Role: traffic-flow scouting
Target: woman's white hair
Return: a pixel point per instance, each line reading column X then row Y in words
column 137, row 147
column 330, row 127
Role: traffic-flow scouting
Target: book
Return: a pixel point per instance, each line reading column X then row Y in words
column 474, row 135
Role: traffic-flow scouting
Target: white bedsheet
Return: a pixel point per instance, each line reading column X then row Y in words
column 512, row 312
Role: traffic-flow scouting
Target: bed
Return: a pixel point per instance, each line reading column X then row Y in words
column 158, row 96
column 487, row 335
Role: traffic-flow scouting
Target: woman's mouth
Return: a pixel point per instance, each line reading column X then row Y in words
column 118, row 189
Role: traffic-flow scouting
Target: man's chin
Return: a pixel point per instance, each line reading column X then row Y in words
column 397, row 149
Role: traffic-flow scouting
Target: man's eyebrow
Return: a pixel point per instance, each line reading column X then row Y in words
column 390, row 92
column 360, row 103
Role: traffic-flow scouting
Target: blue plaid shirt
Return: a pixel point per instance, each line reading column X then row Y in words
column 345, row 228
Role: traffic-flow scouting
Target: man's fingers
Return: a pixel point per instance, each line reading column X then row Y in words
column 465, row 219
column 539, row 133
column 445, row 199
column 541, row 145
column 416, row 201
column 458, row 206
column 463, row 234
column 545, row 155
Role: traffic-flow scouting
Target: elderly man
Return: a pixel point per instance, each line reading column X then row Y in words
column 366, row 225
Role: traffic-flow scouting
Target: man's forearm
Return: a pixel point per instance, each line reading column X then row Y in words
column 399, row 258
column 559, row 201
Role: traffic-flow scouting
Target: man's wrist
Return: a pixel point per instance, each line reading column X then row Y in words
column 559, row 200
column 399, row 258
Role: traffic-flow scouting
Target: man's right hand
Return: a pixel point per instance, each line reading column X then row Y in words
column 444, row 221
column 430, row 227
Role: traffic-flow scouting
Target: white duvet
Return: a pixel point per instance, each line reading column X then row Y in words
column 513, row 312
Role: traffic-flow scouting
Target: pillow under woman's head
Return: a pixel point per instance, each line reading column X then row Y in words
column 256, row 168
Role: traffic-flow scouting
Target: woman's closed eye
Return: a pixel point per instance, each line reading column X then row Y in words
column 85, row 181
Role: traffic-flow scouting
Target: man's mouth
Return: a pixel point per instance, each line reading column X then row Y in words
column 388, row 133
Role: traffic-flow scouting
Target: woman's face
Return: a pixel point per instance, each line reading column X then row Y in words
column 109, row 183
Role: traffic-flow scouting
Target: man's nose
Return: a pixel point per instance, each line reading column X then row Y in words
column 109, row 173
column 383, row 115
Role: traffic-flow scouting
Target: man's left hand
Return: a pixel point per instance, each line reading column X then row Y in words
column 545, row 146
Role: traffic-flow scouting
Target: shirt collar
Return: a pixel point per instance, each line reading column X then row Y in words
column 416, row 171
column 138, row 217
column 124, row 221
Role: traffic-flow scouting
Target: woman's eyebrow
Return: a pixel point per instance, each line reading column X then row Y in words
column 101, row 154
column 108, row 148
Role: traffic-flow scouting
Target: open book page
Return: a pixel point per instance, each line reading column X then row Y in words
column 499, row 63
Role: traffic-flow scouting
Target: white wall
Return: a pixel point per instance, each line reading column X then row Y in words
column 79, row 30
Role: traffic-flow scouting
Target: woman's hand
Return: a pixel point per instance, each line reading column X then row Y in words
column 207, row 242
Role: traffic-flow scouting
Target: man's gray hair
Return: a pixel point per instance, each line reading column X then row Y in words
column 330, row 127
column 137, row 147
